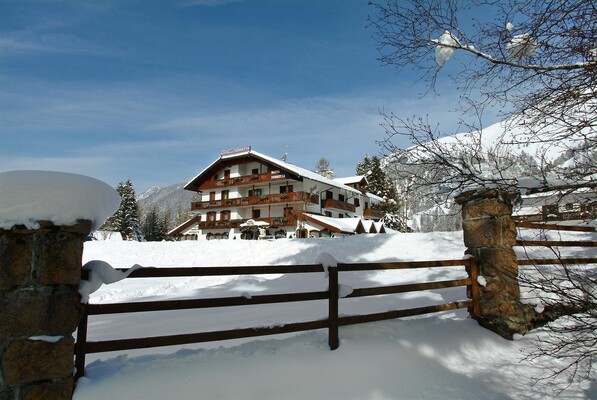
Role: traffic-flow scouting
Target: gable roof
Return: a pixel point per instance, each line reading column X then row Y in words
column 352, row 179
column 249, row 154
column 182, row 227
column 338, row 225
column 380, row 227
column 369, row 226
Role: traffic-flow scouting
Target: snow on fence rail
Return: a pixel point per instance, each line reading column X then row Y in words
column 332, row 323
column 556, row 243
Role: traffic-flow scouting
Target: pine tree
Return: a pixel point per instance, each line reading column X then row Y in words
column 126, row 218
column 153, row 226
column 380, row 185
column 364, row 166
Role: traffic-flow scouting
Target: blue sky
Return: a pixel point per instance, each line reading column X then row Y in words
column 152, row 90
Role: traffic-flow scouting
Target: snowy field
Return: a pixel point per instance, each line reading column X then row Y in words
column 438, row 356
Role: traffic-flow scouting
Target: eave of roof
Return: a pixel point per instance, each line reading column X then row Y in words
column 184, row 225
column 300, row 172
column 337, row 225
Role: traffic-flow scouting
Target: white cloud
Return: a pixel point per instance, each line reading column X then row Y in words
column 156, row 136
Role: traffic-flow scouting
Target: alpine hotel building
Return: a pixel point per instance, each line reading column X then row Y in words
column 248, row 195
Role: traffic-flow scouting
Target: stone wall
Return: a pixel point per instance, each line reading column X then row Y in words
column 39, row 308
column 489, row 235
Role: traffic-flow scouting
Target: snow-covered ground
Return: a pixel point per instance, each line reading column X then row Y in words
column 438, row 356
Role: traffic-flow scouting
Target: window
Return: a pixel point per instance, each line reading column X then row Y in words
column 255, row 214
column 226, row 174
column 255, row 192
column 340, row 215
column 366, row 205
column 286, row 189
column 212, row 196
column 357, row 203
column 225, row 194
column 225, row 215
column 255, row 171
column 211, row 216
column 341, row 197
column 329, row 194
column 328, row 214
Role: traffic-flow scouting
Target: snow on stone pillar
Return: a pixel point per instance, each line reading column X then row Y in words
column 489, row 235
column 44, row 220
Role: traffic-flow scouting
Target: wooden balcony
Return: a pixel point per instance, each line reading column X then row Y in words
column 371, row 213
column 278, row 198
column 339, row 205
column 274, row 222
column 254, row 179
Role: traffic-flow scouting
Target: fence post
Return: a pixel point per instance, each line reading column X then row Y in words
column 40, row 270
column 81, row 344
column 489, row 235
column 333, row 339
column 473, row 271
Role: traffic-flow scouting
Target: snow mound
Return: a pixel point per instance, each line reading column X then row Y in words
column 27, row 197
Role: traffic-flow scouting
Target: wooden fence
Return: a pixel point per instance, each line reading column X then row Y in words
column 332, row 323
column 556, row 243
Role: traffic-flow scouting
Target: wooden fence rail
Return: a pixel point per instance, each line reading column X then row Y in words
column 556, row 243
column 332, row 323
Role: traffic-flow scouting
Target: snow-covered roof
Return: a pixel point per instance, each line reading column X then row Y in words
column 351, row 179
column 379, row 226
column 27, row 197
column 343, row 225
column 374, row 196
column 369, row 226
column 182, row 227
column 301, row 172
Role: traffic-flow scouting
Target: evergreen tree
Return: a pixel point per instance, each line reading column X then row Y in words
column 183, row 214
column 126, row 218
column 154, row 226
column 364, row 166
column 380, row 185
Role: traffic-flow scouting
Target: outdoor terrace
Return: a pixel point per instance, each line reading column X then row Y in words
column 253, row 179
column 256, row 200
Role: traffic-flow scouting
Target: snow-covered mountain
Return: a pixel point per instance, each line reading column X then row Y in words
column 502, row 154
column 172, row 199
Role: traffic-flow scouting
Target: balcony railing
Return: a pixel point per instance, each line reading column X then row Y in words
column 371, row 213
column 253, row 179
column 256, row 200
column 339, row 205
column 274, row 222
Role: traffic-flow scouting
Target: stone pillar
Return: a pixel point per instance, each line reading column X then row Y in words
column 40, row 307
column 489, row 235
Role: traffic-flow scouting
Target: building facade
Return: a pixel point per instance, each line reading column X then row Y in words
column 247, row 195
